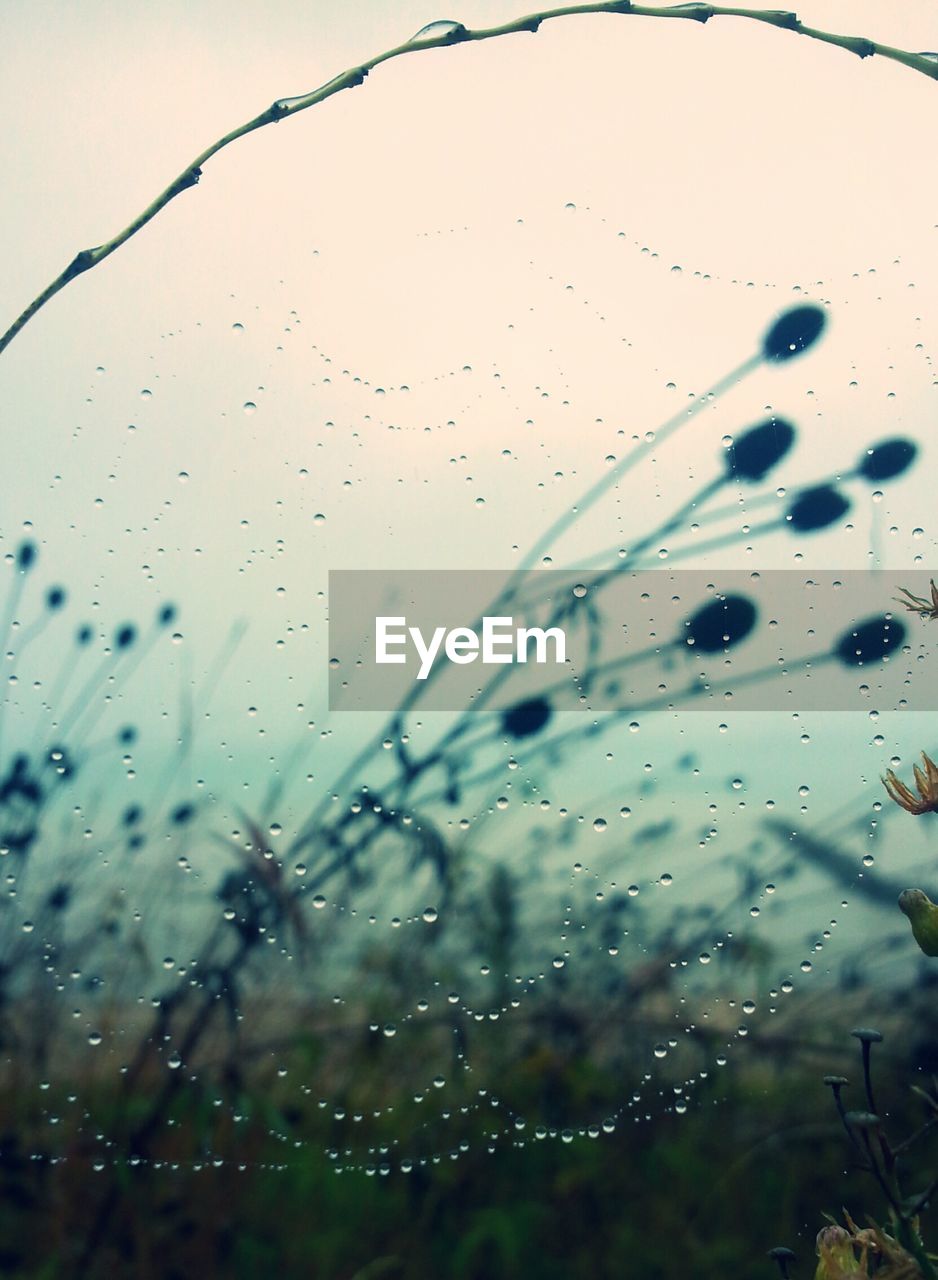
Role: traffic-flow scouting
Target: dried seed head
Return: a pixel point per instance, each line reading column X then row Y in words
column 862, row 1120
column 866, row 1035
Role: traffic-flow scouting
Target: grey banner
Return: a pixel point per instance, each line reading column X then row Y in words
column 615, row 640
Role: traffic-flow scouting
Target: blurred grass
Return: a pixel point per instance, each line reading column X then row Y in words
column 756, row 1159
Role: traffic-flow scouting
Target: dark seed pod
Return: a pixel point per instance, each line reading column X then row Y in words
column 872, row 641
column 720, row 624
column 817, row 508
column 526, row 718
column 125, row 636
column 26, row 555
column 887, row 460
column 752, row 455
column 793, row 332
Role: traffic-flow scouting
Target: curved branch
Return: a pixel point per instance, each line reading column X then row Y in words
column 435, row 36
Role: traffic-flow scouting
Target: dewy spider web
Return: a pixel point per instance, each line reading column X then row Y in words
column 469, row 1010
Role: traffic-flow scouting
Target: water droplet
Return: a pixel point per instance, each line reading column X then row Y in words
column 439, row 30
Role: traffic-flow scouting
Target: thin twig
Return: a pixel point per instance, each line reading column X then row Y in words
column 450, row 34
